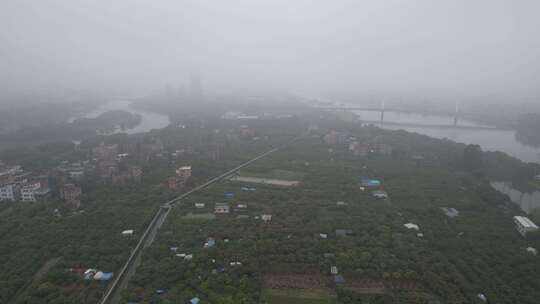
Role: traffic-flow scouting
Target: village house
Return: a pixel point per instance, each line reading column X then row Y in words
column 106, row 168
column 343, row 232
column 334, row 138
column 215, row 151
column 369, row 183
column 184, row 172
column 338, row 279
column 127, row 232
column 148, row 150
column 412, row 226
column 365, row 149
column 9, row 192
column 524, row 225
column 450, row 212
column 221, row 208
column 29, row 192
column 133, row 173
column 72, row 195
column 380, row 194
column 178, row 181
column 210, row 242
column 105, row 152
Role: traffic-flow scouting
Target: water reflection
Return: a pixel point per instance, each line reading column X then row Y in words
column 488, row 139
column 527, row 201
column 149, row 120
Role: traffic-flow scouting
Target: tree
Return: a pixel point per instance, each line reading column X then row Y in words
column 472, row 157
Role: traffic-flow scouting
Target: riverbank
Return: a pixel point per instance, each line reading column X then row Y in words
column 488, row 137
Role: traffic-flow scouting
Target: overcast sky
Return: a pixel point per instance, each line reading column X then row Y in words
column 436, row 49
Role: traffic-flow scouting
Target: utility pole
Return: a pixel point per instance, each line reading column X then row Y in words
column 456, row 115
column 382, row 112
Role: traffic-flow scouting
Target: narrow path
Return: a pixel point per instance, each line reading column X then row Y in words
column 113, row 294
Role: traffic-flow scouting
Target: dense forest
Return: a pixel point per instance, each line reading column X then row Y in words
column 107, row 122
column 528, row 129
column 287, row 259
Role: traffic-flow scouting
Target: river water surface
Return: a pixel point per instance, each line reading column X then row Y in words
column 149, row 120
column 488, row 139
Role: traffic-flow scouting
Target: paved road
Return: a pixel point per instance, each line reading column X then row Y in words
column 113, row 295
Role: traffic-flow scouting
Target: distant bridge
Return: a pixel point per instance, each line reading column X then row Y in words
column 419, row 125
column 382, row 109
column 396, row 110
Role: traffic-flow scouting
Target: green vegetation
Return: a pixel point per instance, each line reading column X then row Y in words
column 527, row 129
column 275, row 174
column 272, row 296
column 288, row 258
column 452, row 262
column 107, row 122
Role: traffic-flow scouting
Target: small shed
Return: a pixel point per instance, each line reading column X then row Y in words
column 532, row 250
column 450, row 212
column 211, row 242
column 103, row 276
column 412, row 226
column 127, row 232
column 371, row 183
column 222, row 208
column 266, row 217
column 343, row 232
column 338, row 279
column 380, row 194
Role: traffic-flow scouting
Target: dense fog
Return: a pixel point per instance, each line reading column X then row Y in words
column 481, row 49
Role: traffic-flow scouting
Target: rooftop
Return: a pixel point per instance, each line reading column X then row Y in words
column 525, row 222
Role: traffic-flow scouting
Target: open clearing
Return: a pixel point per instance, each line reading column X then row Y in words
column 299, row 296
column 266, row 181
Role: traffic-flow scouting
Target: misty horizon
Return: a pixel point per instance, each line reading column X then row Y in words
column 471, row 50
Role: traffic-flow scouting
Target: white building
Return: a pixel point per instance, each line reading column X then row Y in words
column 532, row 250
column 184, row 172
column 29, row 191
column 412, row 226
column 127, row 232
column 524, row 225
column 8, row 192
column 266, row 217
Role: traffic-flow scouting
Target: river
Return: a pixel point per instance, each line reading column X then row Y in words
column 149, row 120
column 488, row 139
